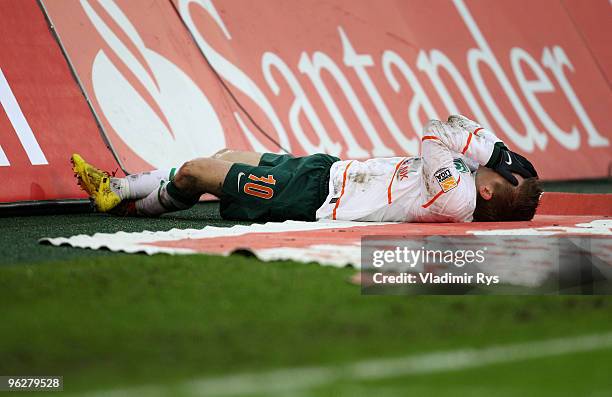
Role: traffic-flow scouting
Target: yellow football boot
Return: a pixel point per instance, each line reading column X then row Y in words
column 96, row 183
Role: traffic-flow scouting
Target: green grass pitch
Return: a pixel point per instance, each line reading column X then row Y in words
column 108, row 321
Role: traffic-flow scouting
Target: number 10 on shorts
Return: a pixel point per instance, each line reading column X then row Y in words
column 259, row 190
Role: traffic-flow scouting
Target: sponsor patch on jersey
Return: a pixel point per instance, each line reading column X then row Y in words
column 445, row 179
column 460, row 166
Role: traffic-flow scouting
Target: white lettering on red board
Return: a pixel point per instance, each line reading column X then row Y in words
column 393, row 66
column 20, row 125
column 131, row 115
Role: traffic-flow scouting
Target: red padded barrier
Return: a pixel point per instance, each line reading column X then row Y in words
column 157, row 99
column 372, row 73
column 349, row 77
column 553, row 203
column 43, row 114
column 593, row 21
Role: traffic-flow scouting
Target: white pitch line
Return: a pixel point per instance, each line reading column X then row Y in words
column 296, row 379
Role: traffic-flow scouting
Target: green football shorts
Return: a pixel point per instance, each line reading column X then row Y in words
column 280, row 188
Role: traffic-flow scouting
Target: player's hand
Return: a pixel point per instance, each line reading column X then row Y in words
column 509, row 163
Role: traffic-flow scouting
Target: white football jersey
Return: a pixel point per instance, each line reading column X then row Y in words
column 438, row 186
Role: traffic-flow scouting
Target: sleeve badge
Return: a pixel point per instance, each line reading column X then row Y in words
column 445, row 179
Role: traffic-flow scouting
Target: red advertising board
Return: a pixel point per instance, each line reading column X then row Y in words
column 44, row 117
column 361, row 79
column 157, row 99
column 354, row 78
column 593, row 21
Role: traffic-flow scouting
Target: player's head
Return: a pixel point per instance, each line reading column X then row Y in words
column 497, row 200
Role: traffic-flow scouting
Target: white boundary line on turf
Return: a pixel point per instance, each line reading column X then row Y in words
column 296, row 379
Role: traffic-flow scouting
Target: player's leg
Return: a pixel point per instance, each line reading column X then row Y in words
column 238, row 156
column 194, row 178
column 292, row 189
column 108, row 192
column 137, row 186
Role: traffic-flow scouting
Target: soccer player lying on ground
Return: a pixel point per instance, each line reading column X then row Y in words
column 464, row 173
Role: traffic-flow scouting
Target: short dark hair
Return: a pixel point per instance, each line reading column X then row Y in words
column 509, row 203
